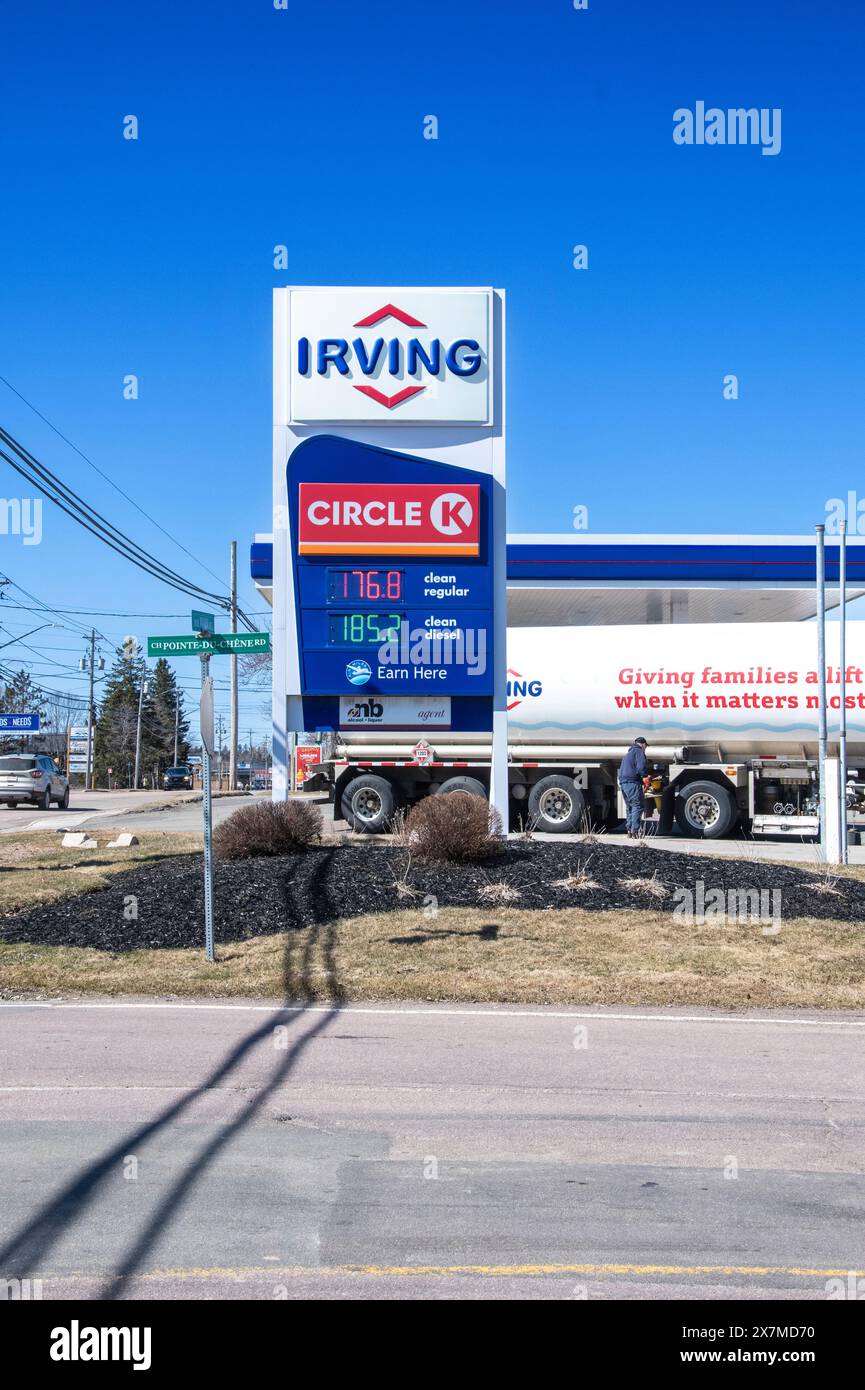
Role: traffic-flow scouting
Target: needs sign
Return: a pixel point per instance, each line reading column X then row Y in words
column 19, row 723
column 403, row 356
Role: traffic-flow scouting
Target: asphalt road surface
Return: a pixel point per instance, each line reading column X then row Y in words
column 225, row 1151
column 122, row 810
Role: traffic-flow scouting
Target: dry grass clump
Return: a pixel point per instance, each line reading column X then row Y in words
column 498, row 892
column 580, row 880
column 650, row 886
column 267, row 828
column 453, row 828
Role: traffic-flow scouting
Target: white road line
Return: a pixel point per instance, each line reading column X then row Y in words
column 434, row 1012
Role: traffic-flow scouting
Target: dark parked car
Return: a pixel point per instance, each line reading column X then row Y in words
column 177, row 779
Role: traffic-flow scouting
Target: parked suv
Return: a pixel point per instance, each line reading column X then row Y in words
column 177, row 778
column 32, row 777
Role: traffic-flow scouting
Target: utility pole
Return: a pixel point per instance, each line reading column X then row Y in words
column 88, row 780
column 176, row 722
column 232, row 672
column 88, row 663
column 141, row 691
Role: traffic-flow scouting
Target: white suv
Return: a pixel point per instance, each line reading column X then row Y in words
column 32, row 777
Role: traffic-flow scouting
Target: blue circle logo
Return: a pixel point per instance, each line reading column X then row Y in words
column 358, row 672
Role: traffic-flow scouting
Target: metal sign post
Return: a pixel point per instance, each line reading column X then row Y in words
column 821, row 679
column 206, row 726
column 842, row 691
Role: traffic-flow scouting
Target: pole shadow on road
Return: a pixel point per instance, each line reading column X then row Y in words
column 26, row 1249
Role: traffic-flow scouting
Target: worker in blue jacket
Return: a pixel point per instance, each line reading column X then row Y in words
column 633, row 779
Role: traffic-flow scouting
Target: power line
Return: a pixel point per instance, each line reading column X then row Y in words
column 109, row 613
column 42, row 477
column 109, row 480
column 41, row 608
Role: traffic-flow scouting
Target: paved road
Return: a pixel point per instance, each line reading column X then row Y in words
column 122, row 811
column 119, row 810
column 209, row 1151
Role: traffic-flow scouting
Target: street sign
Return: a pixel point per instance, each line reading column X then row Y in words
column 203, row 622
column 219, row 644
column 205, row 714
column 19, row 723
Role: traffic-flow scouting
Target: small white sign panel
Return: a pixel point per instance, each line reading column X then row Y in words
column 394, row 712
column 391, row 356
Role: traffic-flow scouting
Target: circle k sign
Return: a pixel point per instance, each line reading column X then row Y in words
column 388, row 519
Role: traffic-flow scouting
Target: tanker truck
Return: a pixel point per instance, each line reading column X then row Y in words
column 730, row 712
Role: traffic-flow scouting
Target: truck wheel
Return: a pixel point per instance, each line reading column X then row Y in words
column 556, row 805
column 706, row 811
column 368, row 804
column 461, row 784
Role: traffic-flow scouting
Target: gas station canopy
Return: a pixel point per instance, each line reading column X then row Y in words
column 595, row 580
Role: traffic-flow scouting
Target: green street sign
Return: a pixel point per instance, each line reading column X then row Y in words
column 221, row 643
column 203, row 622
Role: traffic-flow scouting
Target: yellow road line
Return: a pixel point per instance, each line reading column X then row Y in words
column 493, row 1271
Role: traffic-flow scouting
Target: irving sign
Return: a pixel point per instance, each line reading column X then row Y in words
column 400, row 357
column 388, row 519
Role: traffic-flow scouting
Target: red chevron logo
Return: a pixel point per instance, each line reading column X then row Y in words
column 389, row 401
column 388, row 311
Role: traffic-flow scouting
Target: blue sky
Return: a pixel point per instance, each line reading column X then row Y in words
column 303, row 126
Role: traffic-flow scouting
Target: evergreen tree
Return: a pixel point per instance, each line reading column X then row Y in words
column 20, row 696
column 168, row 704
column 116, row 727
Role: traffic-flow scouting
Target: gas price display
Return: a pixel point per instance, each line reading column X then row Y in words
column 360, row 584
column 362, row 629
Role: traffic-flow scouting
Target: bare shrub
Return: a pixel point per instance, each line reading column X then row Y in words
column 826, row 881
column 267, row 828
column 399, row 830
column 499, row 892
column 590, row 830
column 650, row 886
column 453, row 828
column 580, row 880
column 528, row 826
column 401, row 885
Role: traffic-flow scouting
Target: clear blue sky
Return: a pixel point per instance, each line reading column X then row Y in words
column 304, row 126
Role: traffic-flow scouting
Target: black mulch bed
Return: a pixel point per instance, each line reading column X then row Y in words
column 257, row 897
